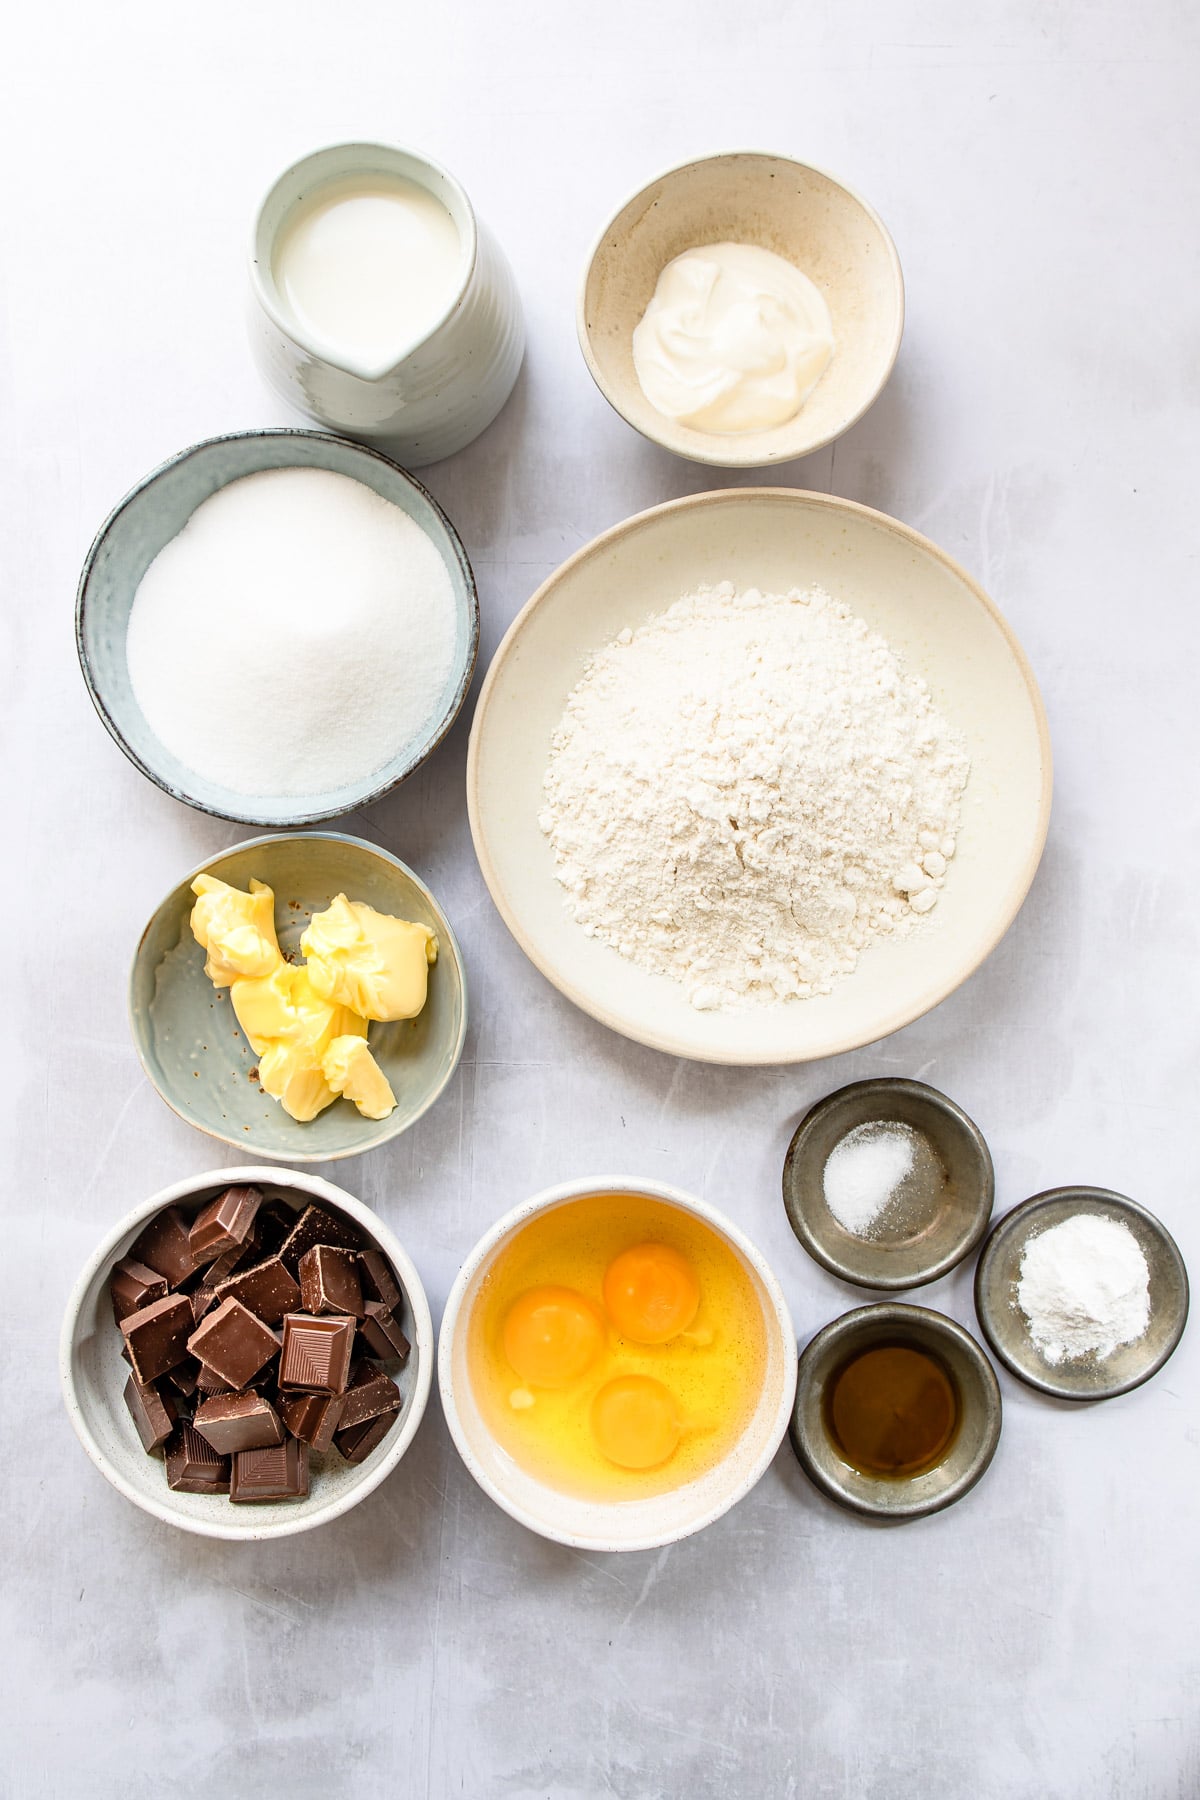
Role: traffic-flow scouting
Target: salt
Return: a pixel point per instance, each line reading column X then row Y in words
column 1084, row 1288
column 865, row 1171
column 294, row 637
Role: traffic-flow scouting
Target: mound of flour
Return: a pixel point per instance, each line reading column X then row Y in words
column 747, row 791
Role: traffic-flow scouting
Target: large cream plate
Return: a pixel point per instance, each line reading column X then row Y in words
column 774, row 538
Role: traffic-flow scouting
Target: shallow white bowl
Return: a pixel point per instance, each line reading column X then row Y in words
column 800, row 213
column 947, row 630
column 625, row 1524
column 93, row 1375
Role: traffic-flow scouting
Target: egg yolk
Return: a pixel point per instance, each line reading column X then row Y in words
column 552, row 1336
column 651, row 1293
column 636, row 1421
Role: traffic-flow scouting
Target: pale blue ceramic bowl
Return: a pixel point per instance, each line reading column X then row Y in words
column 190, row 1044
column 155, row 512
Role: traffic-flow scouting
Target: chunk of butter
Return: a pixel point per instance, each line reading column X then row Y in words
column 367, row 960
column 236, row 929
column 350, row 1069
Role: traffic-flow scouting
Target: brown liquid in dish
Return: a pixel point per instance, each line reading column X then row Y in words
column 892, row 1410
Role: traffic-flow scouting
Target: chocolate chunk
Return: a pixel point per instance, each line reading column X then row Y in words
column 329, row 1281
column 184, row 1376
column 133, row 1285
column 233, row 1422
column 165, row 1247
column 312, row 1417
column 209, row 1382
column 193, row 1466
column 370, row 1394
column 203, row 1299
column 378, row 1281
column 224, row 1224
column 316, row 1353
column 267, row 1290
column 274, row 1220
column 232, row 1342
column 157, row 1335
column 357, row 1443
column 317, row 1225
column 155, row 1415
column 278, row 1473
column 382, row 1334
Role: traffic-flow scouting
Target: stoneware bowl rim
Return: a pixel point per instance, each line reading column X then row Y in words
column 680, row 440
column 776, row 1314
column 885, row 1313
column 1080, row 1197
column 975, row 1222
column 782, row 497
column 447, row 945
column 235, row 1529
column 346, row 446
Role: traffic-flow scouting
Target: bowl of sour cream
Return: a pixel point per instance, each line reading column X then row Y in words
column 742, row 309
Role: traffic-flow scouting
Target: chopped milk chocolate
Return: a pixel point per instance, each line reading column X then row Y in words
column 370, row 1394
column 165, row 1247
column 267, row 1289
column 317, row 1225
column 154, row 1415
column 156, row 1336
column 312, row 1417
column 233, row 1343
column 224, row 1224
column 279, row 1473
column 329, row 1280
column 133, row 1285
column 193, row 1466
column 381, row 1334
column 233, row 1422
column 357, row 1443
column 378, row 1281
column 316, row 1353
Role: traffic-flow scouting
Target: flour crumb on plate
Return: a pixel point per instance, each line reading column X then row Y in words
column 747, row 791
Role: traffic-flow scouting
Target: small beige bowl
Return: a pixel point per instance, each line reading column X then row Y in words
column 626, row 1524
column 801, row 214
column 980, row 1412
column 93, row 1374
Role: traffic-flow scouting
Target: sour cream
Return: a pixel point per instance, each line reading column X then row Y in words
column 734, row 340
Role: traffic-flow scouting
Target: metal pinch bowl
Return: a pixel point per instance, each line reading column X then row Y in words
column 919, row 1236
column 1004, row 1324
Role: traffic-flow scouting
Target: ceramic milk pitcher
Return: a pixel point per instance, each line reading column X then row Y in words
column 444, row 386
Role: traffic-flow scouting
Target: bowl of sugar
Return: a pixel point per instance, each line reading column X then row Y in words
column 277, row 627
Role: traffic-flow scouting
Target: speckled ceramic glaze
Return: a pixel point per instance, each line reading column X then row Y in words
column 973, row 1445
column 451, row 382
column 801, row 214
column 190, row 1044
column 622, row 1524
column 913, row 1243
column 155, row 512
column 1007, row 1330
column 93, row 1375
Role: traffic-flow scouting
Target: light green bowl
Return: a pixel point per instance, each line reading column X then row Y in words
column 190, row 1044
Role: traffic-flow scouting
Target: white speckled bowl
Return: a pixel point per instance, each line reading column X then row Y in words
column 800, row 213
column 93, row 1375
column 156, row 511
column 629, row 1524
column 189, row 1042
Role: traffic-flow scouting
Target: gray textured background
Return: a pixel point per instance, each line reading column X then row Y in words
column 1037, row 165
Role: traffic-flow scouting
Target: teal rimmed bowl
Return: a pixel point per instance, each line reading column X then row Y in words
column 189, row 1042
column 155, row 512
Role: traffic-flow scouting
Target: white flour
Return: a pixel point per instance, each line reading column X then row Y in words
column 294, row 636
column 747, row 791
column 1084, row 1288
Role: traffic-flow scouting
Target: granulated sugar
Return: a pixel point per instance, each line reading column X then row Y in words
column 747, row 791
column 864, row 1173
column 295, row 636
